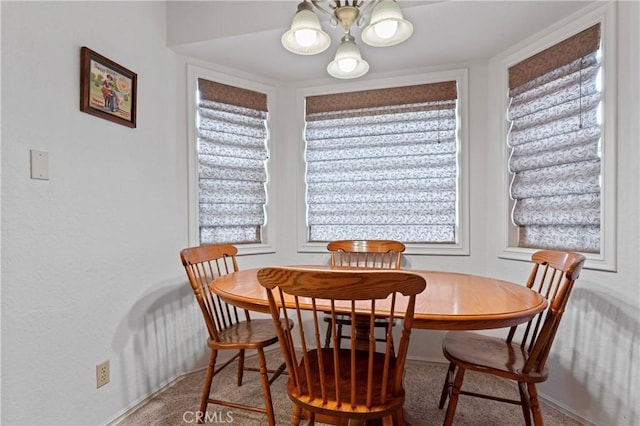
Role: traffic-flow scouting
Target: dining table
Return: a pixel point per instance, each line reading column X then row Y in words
column 450, row 301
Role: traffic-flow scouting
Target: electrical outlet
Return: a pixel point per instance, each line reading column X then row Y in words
column 102, row 374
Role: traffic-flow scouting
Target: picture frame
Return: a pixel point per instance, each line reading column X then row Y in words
column 107, row 90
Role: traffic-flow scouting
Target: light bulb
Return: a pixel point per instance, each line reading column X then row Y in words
column 386, row 29
column 347, row 64
column 306, row 37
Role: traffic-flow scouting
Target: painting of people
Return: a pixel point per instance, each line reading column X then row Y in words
column 108, row 90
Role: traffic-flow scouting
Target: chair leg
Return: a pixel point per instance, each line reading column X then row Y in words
column 278, row 372
column 295, row 415
column 266, row 389
column 207, row 383
column 535, row 405
column 327, row 337
column 398, row 417
column 338, row 336
column 448, row 382
column 453, row 398
column 524, row 401
column 240, row 366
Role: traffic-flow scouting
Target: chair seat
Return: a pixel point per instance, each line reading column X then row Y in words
column 256, row 333
column 477, row 352
column 360, row 410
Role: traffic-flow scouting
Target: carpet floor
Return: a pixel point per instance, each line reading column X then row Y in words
column 176, row 404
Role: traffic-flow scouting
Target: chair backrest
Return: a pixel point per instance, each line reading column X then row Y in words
column 330, row 374
column 553, row 275
column 203, row 264
column 371, row 254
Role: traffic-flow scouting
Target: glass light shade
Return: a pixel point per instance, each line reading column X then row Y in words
column 385, row 17
column 306, row 36
column 348, row 62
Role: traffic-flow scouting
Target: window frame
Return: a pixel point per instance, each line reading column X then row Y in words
column 461, row 247
column 193, row 74
column 498, row 70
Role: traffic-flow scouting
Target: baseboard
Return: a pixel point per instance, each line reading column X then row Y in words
column 438, row 360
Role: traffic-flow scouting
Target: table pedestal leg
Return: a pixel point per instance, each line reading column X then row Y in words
column 361, row 324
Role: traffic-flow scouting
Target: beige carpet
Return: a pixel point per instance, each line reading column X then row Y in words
column 423, row 382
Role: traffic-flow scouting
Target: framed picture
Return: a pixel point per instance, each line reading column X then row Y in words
column 107, row 90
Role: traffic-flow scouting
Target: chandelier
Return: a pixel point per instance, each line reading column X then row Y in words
column 387, row 27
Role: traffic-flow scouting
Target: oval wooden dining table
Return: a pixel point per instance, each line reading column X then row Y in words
column 451, row 301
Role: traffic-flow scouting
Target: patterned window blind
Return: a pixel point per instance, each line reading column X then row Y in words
column 383, row 164
column 555, row 145
column 232, row 154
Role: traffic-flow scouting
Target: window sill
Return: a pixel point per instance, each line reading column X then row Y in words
column 249, row 249
column 594, row 261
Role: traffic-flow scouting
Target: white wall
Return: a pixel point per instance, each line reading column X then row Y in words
column 90, row 267
column 90, row 264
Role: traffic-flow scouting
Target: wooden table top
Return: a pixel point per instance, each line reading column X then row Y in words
column 451, row 301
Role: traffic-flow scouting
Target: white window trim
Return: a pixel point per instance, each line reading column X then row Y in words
column 193, row 73
column 460, row 248
column 498, row 70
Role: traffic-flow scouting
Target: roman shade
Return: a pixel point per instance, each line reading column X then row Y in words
column 382, row 164
column 554, row 140
column 232, row 154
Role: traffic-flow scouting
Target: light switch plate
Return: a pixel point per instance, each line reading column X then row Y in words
column 39, row 165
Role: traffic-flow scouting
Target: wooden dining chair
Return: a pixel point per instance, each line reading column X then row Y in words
column 356, row 383
column 366, row 254
column 520, row 357
column 228, row 327
column 369, row 254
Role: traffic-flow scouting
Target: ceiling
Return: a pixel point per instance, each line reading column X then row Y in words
column 245, row 35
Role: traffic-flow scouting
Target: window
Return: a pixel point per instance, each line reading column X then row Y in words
column 385, row 164
column 561, row 150
column 229, row 167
